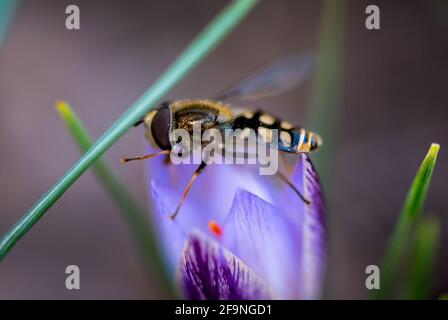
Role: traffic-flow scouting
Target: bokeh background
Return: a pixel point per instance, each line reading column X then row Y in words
column 393, row 105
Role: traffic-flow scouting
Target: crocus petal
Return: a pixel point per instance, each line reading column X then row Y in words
column 283, row 243
column 211, row 272
column 261, row 235
column 314, row 233
column 171, row 234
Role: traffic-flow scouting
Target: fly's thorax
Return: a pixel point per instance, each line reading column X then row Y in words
column 196, row 116
column 208, row 113
column 163, row 124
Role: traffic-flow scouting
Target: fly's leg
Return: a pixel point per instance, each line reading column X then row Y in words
column 146, row 156
column 187, row 189
column 293, row 187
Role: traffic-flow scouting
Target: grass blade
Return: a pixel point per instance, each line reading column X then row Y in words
column 411, row 211
column 424, row 255
column 135, row 217
column 327, row 92
column 7, row 10
column 204, row 43
column 327, row 88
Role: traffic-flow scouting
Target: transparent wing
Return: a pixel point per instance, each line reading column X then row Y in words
column 275, row 78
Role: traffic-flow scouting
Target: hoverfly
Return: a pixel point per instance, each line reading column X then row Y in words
column 271, row 80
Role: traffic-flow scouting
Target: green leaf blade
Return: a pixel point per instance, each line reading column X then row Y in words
column 76, row 128
column 424, row 256
column 417, row 194
column 412, row 210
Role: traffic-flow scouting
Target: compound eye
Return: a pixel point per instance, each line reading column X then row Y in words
column 160, row 127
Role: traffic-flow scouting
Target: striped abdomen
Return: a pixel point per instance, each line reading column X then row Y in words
column 290, row 139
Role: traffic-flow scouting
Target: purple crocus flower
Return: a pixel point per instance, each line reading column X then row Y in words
column 240, row 235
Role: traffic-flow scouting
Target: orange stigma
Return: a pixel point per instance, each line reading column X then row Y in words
column 215, row 228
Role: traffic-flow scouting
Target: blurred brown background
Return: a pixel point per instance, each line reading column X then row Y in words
column 393, row 107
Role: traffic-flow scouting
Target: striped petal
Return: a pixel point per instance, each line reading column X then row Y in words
column 313, row 234
column 208, row 271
